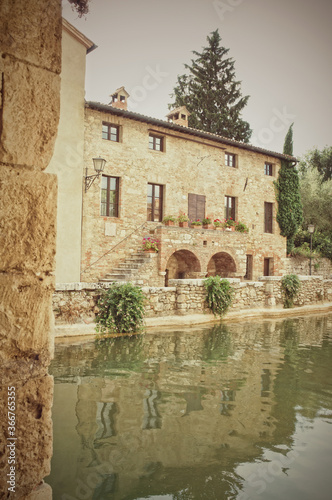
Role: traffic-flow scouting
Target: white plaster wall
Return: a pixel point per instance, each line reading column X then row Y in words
column 67, row 161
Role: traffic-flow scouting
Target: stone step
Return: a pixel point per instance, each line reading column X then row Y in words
column 117, row 276
column 127, row 270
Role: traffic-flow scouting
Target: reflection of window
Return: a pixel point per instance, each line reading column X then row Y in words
column 109, row 205
column 229, row 160
column 110, row 132
column 265, row 383
column 151, row 418
column 230, row 202
column 268, row 169
column 105, row 419
column 226, row 397
column 268, row 217
column 155, row 202
column 156, row 142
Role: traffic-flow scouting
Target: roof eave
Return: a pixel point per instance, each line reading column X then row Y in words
column 186, row 130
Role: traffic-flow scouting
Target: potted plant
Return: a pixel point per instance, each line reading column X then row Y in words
column 207, row 223
column 169, row 220
column 241, row 228
column 196, row 224
column 230, row 224
column 150, row 245
column 183, row 220
column 218, row 224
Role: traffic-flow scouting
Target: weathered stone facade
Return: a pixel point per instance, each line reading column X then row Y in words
column 77, row 303
column 301, row 265
column 191, row 162
column 30, row 64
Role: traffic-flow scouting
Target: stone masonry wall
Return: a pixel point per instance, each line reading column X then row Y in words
column 77, row 303
column 30, row 64
column 301, row 266
column 186, row 166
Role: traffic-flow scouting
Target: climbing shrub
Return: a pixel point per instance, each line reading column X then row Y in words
column 219, row 294
column 290, row 285
column 121, row 309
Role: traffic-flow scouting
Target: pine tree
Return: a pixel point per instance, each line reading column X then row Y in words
column 290, row 212
column 211, row 93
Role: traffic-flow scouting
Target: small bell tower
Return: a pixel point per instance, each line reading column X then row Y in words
column 179, row 116
column 119, row 98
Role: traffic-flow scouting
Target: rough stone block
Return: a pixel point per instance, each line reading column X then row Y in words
column 30, row 30
column 33, row 431
column 27, row 229
column 29, row 114
column 26, row 316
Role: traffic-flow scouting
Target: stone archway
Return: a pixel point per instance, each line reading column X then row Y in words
column 183, row 264
column 221, row 264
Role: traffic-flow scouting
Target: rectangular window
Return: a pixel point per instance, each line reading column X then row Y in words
column 196, row 206
column 230, row 205
column 268, row 267
column 109, row 206
column 155, row 203
column 110, row 132
column 229, row 160
column 268, row 217
column 268, row 169
column 249, row 267
column 156, row 142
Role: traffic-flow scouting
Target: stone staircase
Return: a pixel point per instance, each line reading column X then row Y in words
column 128, row 270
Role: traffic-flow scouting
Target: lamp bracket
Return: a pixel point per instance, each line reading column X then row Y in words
column 89, row 180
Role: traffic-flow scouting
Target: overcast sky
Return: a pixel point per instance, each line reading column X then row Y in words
column 282, row 52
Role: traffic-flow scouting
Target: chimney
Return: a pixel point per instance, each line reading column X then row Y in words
column 179, row 116
column 119, row 98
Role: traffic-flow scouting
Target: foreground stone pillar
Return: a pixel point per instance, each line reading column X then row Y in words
column 30, row 63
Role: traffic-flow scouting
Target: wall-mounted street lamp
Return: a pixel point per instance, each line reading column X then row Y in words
column 311, row 229
column 99, row 164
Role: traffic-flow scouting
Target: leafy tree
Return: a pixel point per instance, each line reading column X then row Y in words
column 289, row 215
column 316, row 196
column 211, row 93
column 321, row 160
column 81, row 6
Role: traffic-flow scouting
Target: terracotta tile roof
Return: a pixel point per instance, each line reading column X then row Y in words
column 185, row 130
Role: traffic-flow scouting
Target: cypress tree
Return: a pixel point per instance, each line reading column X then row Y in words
column 290, row 212
column 211, row 93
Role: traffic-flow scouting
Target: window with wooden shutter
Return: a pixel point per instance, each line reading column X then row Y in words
column 268, row 217
column 196, row 206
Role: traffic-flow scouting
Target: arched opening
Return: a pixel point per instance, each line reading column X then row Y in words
column 183, row 264
column 221, row 264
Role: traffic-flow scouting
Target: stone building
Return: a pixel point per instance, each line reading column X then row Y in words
column 157, row 168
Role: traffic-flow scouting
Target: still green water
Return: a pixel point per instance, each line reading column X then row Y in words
column 238, row 411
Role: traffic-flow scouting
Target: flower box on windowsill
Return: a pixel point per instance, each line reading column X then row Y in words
column 169, row 223
column 183, row 224
column 207, row 226
column 196, row 226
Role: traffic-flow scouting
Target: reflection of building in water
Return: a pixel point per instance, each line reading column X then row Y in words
column 197, row 400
